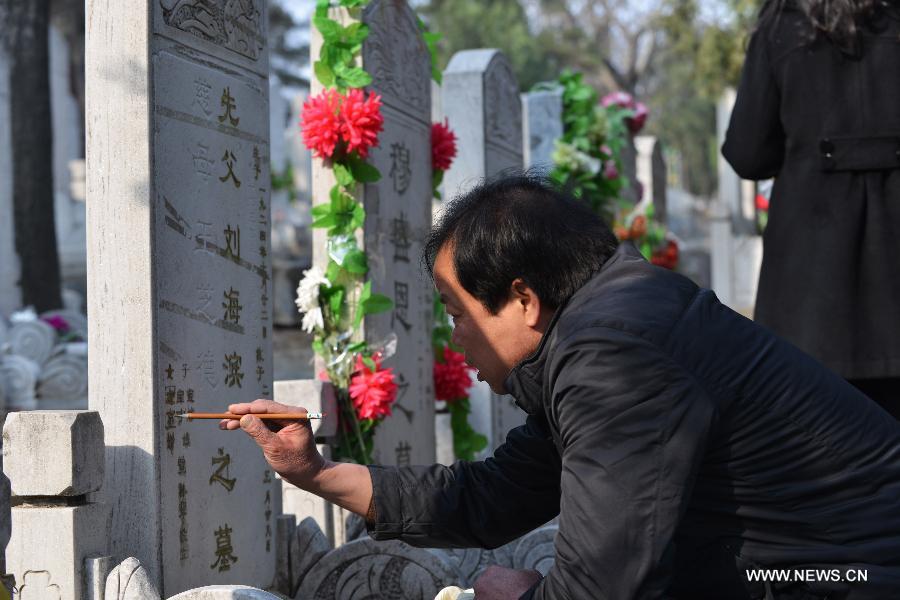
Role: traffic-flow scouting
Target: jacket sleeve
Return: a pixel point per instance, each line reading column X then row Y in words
column 634, row 425
column 755, row 139
column 471, row 504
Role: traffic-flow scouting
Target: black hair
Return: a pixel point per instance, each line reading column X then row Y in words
column 839, row 21
column 520, row 225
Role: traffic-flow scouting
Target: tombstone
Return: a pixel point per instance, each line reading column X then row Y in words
column 179, row 282
column 536, row 550
column 365, row 569
column 542, row 125
column 480, row 97
column 10, row 293
column 308, row 546
column 398, row 209
column 68, row 147
column 5, row 512
column 32, row 339
column 470, row 563
column 20, row 376
column 54, row 459
column 651, row 173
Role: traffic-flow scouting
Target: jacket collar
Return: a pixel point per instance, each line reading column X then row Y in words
column 526, row 380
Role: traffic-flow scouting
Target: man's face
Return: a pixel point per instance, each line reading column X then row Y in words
column 493, row 344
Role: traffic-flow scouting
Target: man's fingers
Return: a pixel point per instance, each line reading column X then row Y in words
column 257, row 430
column 263, row 406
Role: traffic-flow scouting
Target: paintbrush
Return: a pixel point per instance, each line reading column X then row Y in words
column 263, row 416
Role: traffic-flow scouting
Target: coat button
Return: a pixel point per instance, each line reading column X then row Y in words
column 826, row 147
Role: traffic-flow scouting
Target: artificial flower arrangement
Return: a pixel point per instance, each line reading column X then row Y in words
column 588, row 161
column 340, row 125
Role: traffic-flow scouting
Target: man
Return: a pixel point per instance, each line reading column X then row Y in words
column 681, row 445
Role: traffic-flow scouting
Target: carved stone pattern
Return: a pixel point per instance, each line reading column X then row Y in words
column 20, row 375
column 33, row 340
column 307, row 547
column 64, row 376
column 396, row 56
column 470, row 563
column 233, row 24
column 36, row 586
column 536, row 550
column 365, row 570
column 503, row 108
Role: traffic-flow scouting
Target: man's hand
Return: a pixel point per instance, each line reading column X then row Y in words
column 500, row 583
column 289, row 446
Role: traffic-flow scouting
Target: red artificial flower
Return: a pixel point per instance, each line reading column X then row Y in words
column 321, row 124
column 636, row 123
column 443, row 146
column 372, row 391
column 610, row 171
column 666, row 257
column 451, row 378
column 58, row 323
column 361, row 121
column 762, row 203
column 625, row 100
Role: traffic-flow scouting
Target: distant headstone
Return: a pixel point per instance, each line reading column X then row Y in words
column 308, row 546
column 398, row 209
column 536, row 550
column 480, row 97
column 179, row 281
column 10, row 292
column 651, row 173
column 542, row 125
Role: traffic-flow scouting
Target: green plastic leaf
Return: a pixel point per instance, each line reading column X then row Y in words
column 341, row 202
column 370, row 364
column 336, row 301
column 363, row 171
column 343, row 175
column 330, row 29
column 364, row 295
column 322, row 8
column 324, row 221
column 355, row 34
column 320, row 210
column 376, row 303
column 359, row 216
column 324, row 73
column 356, row 262
column 353, row 77
column 353, row 3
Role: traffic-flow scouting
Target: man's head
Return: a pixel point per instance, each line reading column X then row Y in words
column 504, row 257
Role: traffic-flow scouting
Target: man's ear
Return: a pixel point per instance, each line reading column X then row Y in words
column 524, row 296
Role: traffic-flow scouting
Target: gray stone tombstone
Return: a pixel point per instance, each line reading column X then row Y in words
column 179, row 281
column 480, row 97
column 542, row 125
column 54, row 459
column 651, row 173
column 365, row 569
column 398, row 209
column 10, row 293
column 536, row 550
column 470, row 563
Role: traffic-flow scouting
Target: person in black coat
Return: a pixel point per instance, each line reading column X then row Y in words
column 818, row 109
column 683, row 447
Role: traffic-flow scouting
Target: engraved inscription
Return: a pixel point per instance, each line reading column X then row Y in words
column 233, row 24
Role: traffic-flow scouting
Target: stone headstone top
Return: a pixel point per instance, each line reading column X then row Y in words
column 32, row 339
column 365, row 569
column 53, row 453
column 313, row 395
column 542, row 125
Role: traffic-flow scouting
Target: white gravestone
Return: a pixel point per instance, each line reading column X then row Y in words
column 651, row 174
column 398, row 216
column 179, row 282
column 542, row 125
column 480, row 97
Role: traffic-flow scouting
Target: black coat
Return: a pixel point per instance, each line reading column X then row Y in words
column 679, row 443
column 827, row 127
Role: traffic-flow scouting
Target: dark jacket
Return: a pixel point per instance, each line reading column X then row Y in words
column 679, row 443
column 827, row 127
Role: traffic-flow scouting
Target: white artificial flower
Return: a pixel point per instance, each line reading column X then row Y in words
column 313, row 319
column 308, row 290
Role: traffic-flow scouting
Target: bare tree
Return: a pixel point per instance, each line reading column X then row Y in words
column 612, row 41
column 24, row 37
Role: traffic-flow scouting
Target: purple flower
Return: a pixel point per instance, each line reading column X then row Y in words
column 58, row 323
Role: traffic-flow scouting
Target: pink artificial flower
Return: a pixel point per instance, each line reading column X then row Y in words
column 361, row 121
column 451, row 378
column 321, row 123
column 58, row 323
column 621, row 99
column 443, row 146
column 610, row 171
column 372, row 391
